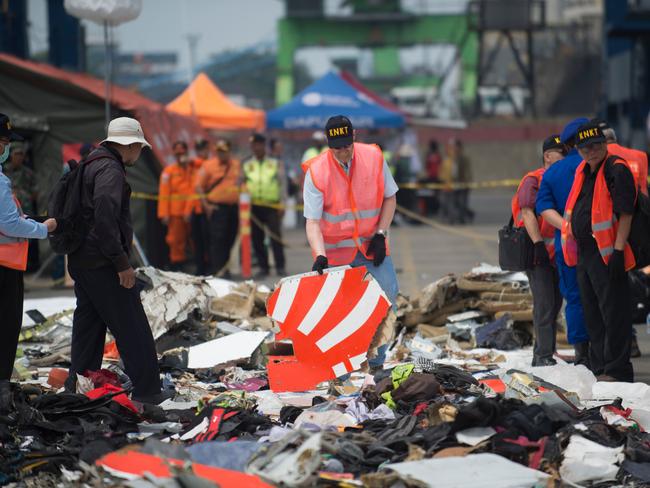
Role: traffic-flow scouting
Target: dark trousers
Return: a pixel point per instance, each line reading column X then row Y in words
column 201, row 240
column 33, row 256
column 270, row 217
column 223, row 226
column 607, row 308
column 11, row 308
column 547, row 301
column 102, row 303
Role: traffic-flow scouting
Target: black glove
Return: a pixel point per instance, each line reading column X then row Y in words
column 377, row 249
column 540, row 255
column 320, row 264
column 616, row 265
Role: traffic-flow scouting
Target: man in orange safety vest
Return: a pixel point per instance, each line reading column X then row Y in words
column 349, row 203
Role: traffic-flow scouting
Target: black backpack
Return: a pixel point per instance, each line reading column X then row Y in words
column 64, row 205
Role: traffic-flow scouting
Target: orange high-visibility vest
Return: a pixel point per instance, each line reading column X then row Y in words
column 604, row 223
column 13, row 250
column 351, row 204
column 546, row 229
column 637, row 161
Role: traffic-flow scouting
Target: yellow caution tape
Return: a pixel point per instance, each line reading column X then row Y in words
column 446, row 228
column 407, row 186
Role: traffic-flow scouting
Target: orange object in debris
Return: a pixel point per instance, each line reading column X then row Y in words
column 127, row 464
column 495, row 384
column 57, row 377
column 245, row 234
column 330, row 318
column 286, row 373
column 110, row 351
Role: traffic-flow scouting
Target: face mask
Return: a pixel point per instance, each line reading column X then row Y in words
column 5, row 155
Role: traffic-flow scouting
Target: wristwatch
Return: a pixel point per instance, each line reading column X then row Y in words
column 382, row 232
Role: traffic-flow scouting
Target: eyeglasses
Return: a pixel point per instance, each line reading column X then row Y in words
column 591, row 146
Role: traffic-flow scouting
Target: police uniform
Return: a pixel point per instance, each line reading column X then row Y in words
column 265, row 182
column 553, row 193
column 597, row 200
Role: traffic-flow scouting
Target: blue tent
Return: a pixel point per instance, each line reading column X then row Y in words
column 328, row 96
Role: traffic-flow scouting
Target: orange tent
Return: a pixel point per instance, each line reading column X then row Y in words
column 213, row 109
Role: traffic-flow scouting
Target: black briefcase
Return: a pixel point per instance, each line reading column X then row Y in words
column 515, row 248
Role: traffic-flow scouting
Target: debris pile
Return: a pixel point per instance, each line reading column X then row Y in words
column 456, row 403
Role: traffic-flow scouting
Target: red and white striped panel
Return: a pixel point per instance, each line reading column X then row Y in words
column 330, row 318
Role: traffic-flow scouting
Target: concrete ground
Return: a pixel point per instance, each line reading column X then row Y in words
column 422, row 254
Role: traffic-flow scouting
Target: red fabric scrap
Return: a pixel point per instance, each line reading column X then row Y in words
column 107, row 390
column 103, row 377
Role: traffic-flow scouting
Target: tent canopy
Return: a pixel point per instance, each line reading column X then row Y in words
column 356, row 84
column 213, row 109
column 328, row 96
column 57, row 110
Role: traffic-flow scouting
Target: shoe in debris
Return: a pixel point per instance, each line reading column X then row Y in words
column 155, row 399
column 537, row 362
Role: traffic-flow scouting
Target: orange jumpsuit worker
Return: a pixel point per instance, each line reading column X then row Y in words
column 175, row 204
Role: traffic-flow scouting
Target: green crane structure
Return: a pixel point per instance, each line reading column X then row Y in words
column 383, row 32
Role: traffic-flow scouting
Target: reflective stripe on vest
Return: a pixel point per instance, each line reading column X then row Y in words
column 604, row 224
column 351, row 202
column 361, row 214
column 344, row 243
column 262, row 179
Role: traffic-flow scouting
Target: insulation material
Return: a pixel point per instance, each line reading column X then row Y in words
column 173, row 297
column 474, row 470
column 231, row 348
column 585, row 460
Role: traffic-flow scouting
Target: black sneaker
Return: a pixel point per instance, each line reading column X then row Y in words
column 537, row 362
column 581, row 354
column 281, row 272
column 155, row 399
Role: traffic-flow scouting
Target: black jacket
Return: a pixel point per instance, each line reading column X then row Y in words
column 105, row 207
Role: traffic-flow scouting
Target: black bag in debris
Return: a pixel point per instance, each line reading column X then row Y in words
column 499, row 334
column 515, row 248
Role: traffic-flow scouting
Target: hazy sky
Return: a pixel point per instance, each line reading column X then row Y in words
column 164, row 25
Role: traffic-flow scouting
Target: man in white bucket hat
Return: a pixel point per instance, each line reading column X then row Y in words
column 104, row 278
